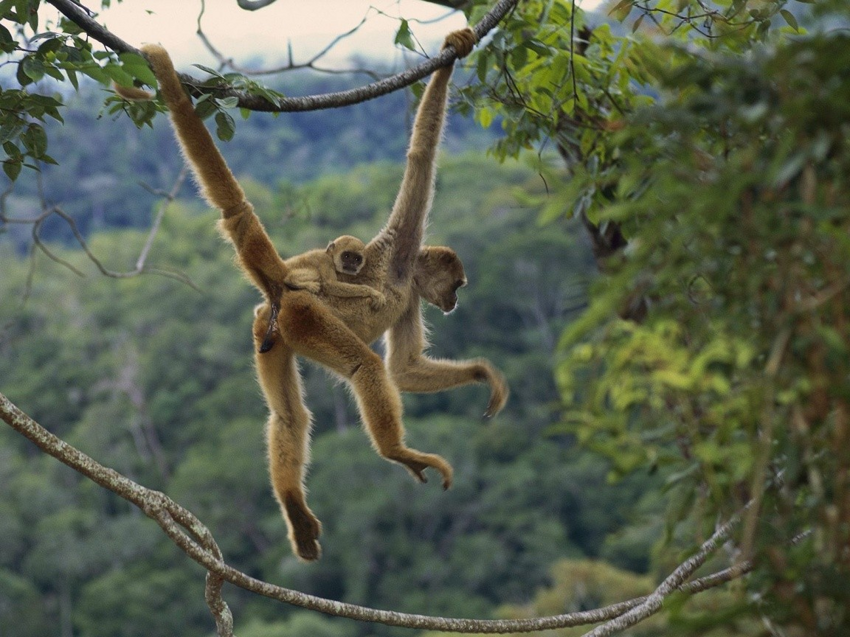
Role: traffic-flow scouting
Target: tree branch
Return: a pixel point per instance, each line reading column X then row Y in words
column 190, row 535
column 77, row 14
column 48, row 210
column 673, row 582
column 253, row 5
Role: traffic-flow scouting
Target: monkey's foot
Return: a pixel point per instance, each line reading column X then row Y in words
column 486, row 373
column 304, row 530
column 271, row 331
column 498, row 398
column 416, row 462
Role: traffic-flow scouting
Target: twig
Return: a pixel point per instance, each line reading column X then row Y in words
column 673, row 582
column 190, row 535
column 225, row 61
column 141, row 266
column 73, row 11
column 168, row 198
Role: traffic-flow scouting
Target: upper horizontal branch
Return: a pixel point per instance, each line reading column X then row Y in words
column 78, row 15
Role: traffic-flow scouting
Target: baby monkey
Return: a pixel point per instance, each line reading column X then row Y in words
column 316, row 270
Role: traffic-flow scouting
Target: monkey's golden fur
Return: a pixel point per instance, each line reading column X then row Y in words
column 335, row 331
column 316, row 271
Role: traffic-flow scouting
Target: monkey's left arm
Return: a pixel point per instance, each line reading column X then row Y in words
column 407, row 221
column 412, row 371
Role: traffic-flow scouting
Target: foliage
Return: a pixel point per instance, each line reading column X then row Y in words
column 723, row 160
column 713, row 136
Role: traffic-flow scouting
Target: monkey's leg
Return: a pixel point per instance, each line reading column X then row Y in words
column 412, row 371
column 314, row 333
column 426, row 375
column 288, row 442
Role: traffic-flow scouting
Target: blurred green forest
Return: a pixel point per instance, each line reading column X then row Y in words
column 705, row 150
column 103, row 158
column 155, row 379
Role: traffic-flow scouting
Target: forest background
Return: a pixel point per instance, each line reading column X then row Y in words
column 624, row 442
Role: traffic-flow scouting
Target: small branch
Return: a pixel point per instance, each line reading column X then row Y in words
column 168, row 198
column 673, row 582
column 190, row 535
column 141, row 266
column 74, row 12
column 225, row 61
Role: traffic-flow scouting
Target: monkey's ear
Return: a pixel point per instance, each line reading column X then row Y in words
column 330, row 247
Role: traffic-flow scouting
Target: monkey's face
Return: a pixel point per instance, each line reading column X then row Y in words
column 347, row 253
column 350, row 262
column 439, row 275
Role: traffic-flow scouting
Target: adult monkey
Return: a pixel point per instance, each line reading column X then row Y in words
column 334, row 331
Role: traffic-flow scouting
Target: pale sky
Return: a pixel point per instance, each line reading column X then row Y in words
column 309, row 26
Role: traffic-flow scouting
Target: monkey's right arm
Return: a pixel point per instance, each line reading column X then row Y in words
column 311, row 280
column 303, row 279
column 376, row 298
column 257, row 255
column 412, row 371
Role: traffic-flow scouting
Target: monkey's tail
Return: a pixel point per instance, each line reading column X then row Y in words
column 132, row 93
column 239, row 224
column 218, row 185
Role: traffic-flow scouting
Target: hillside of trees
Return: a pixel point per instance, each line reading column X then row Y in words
column 155, row 379
column 656, row 241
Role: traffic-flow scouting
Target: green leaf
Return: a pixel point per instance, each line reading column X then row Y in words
column 118, row 75
column 622, row 9
column 10, row 130
column 636, row 25
column 205, row 108
column 34, row 140
column 95, row 72
column 225, row 126
column 12, row 169
column 485, row 117
column 404, row 37
column 138, row 67
column 12, row 151
column 72, row 77
column 33, row 68
column 229, row 102
column 483, row 65
column 790, row 19
column 7, row 42
column 207, row 69
column 69, row 27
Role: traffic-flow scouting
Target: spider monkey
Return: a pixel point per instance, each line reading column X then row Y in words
column 335, row 331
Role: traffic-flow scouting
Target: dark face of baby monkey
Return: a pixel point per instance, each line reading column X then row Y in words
column 347, row 253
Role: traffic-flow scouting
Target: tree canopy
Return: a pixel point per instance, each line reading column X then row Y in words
column 702, row 149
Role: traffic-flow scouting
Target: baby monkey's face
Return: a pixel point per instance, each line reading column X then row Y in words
column 347, row 253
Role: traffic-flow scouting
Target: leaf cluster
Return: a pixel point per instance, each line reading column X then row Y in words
column 62, row 55
column 735, row 203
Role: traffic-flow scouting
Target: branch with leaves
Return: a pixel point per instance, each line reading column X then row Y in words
column 195, row 539
column 265, row 102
